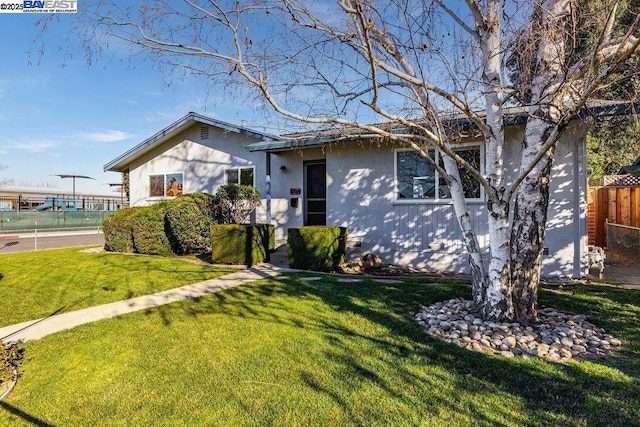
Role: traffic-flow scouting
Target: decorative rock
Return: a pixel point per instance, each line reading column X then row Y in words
column 509, row 341
column 556, row 338
column 566, row 341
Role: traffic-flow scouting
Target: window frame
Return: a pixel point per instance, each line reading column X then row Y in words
column 436, row 200
column 239, row 169
column 165, row 178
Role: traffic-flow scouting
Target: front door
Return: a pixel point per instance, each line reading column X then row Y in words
column 315, row 194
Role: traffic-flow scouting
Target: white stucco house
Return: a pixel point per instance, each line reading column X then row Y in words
column 392, row 203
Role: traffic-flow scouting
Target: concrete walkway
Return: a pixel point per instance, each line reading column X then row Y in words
column 35, row 329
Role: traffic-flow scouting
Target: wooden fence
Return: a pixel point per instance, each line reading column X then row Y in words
column 620, row 205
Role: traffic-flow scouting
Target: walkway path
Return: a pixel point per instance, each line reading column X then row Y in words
column 39, row 328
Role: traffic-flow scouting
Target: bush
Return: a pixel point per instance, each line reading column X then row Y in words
column 234, row 202
column 246, row 244
column 317, row 248
column 118, row 231
column 148, row 229
column 189, row 220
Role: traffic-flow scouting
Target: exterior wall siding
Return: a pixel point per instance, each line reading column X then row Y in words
column 360, row 196
column 203, row 163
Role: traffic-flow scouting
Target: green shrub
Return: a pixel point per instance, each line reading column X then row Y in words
column 189, row 220
column 317, row 248
column 148, row 229
column 246, row 244
column 118, row 231
column 234, row 202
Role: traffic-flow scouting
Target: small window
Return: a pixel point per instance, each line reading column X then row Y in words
column 166, row 185
column 417, row 179
column 244, row 176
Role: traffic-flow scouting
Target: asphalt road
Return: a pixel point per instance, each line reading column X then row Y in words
column 50, row 240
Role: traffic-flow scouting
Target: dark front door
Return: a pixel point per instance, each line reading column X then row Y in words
column 315, row 194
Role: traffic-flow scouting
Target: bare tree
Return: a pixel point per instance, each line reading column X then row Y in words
column 350, row 63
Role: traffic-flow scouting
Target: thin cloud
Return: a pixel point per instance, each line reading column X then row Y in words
column 106, row 136
column 32, row 146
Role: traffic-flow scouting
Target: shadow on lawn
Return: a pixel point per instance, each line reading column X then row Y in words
column 23, row 415
column 577, row 393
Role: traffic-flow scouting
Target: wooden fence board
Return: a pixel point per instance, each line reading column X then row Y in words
column 624, row 206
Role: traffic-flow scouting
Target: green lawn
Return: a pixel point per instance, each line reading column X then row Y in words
column 319, row 353
column 38, row 284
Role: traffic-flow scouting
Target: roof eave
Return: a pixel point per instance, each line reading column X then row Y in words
column 516, row 117
column 120, row 163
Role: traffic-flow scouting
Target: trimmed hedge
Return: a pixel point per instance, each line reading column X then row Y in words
column 148, row 229
column 183, row 225
column 246, row 244
column 118, row 231
column 189, row 220
column 317, row 248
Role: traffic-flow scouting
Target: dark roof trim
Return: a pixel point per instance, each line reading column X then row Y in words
column 516, row 116
column 117, row 164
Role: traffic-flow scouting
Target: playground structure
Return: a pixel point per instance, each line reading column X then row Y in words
column 58, row 204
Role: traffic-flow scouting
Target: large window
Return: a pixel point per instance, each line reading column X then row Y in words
column 244, row 176
column 166, row 185
column 416, row 179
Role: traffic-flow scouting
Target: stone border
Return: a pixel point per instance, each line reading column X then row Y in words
column 12, row 383
column 557, row 337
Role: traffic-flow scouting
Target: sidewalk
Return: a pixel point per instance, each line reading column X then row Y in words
column 35, row 329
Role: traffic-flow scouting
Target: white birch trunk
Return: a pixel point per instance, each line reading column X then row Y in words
column 476, row 262
column 494, row 300
column 532, row 201
column 529, row 223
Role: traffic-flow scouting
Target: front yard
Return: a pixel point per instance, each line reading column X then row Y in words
column 287, row 351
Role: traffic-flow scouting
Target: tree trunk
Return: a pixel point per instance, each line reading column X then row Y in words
column 476, row 262
column 494, row 300
column 497, row 302
column 529, row 223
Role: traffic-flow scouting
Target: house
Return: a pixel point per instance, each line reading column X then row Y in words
column 392, row 203
column 633, row 169
column 194, row 154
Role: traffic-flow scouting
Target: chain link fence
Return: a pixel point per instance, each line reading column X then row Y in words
column 623, row 239
column 13, row 221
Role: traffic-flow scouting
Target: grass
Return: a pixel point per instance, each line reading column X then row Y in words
column 38, row 284
column 285, row 351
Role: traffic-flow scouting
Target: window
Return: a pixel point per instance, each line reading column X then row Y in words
column 166, row 185
column 416, row 179
column 244, row 176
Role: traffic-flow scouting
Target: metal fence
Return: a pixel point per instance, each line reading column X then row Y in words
column 21, row 221
column 623, row 238
column 60, row 202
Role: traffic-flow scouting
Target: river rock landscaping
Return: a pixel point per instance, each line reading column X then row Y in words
column 557, row 337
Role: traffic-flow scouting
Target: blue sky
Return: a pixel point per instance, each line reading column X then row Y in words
column 60, row 116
